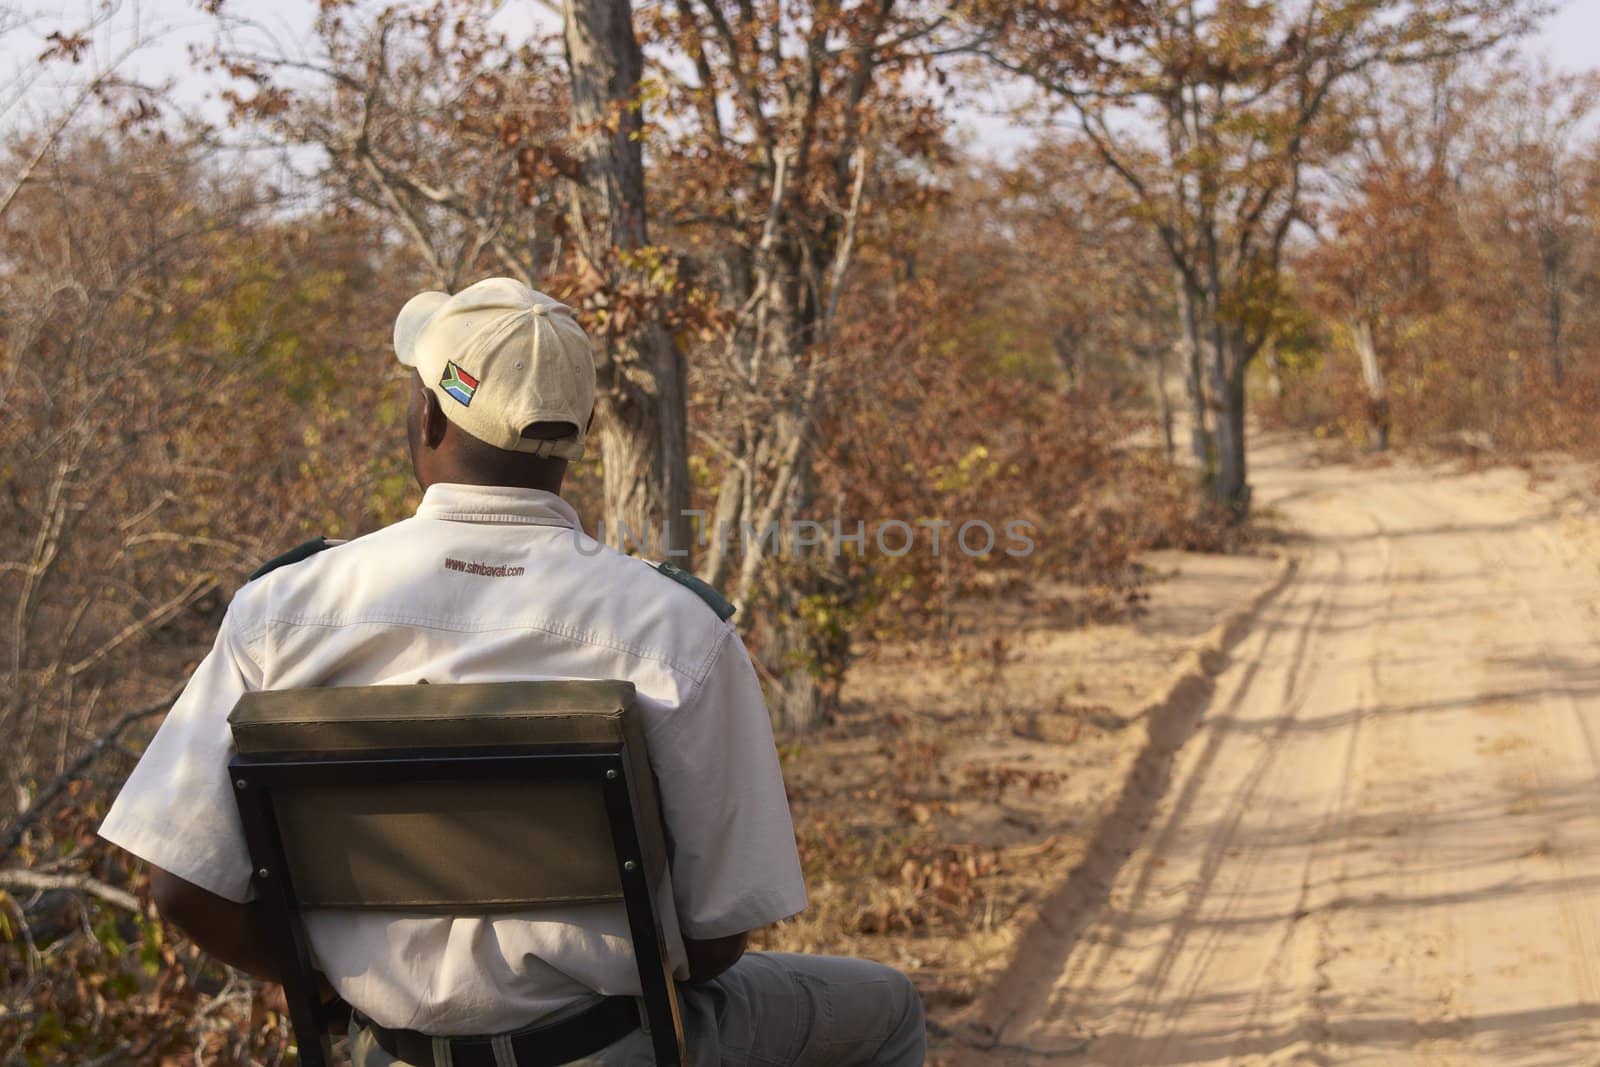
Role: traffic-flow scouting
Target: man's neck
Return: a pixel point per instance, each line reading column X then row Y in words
column 547, row 480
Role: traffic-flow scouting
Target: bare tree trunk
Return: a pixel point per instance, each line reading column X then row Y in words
column 1555, row 308
column 1227, row 364
column 786, row 578
column 642, row 396
column 1065, row 346
column 1158, row 386
column 1372, row 376
column 1558, row 358
column 1200, row 439
column 1274, row 370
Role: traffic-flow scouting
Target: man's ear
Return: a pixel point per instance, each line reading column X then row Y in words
column 433, row 420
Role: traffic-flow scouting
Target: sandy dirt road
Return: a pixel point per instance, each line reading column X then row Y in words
column 1381, row 845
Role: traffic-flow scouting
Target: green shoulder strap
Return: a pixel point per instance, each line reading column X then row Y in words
column 294, row 555
column 717, row 602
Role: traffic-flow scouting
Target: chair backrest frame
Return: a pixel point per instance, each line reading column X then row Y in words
column 257, row 778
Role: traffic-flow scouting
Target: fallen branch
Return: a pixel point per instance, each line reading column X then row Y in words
column 58, row 785
column 33, row 881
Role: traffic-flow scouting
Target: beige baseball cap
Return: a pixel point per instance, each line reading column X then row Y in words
column 500, row 357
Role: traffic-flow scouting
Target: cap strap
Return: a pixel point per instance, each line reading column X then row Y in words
column 560, row 447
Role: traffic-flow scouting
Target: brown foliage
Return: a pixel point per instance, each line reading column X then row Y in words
column 1215, row 117
column 196, row 375
column 192, row 385
column 1463, row 253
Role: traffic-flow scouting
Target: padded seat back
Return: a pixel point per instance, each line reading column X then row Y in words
column 461, row 847
column 457, row 799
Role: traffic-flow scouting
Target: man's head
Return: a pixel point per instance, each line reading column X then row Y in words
column 503, row 388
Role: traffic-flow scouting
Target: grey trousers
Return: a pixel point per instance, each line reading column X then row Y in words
column 773, row 1009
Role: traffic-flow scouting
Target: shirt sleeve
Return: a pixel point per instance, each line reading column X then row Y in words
column 177, row 811
column 734, row 864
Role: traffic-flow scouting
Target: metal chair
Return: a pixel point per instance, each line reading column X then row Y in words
column 427, row 798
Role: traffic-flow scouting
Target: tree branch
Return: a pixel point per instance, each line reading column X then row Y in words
column 33, row 881
column 47, row 795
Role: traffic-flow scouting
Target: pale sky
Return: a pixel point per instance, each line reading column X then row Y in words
column 1570, row 40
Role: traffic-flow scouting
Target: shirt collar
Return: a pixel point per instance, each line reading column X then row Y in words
column 454, row 502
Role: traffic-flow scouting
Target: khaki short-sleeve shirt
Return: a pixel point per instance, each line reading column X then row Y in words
column 487, row 584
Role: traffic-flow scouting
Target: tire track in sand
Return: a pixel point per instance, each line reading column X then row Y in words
column 1383, row 846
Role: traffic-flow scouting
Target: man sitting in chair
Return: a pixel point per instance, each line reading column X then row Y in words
column 493, row 581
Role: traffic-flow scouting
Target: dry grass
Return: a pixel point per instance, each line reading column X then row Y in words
column 965, row 777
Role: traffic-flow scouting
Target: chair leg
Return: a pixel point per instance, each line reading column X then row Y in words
column 644, row 925
column 291, row 951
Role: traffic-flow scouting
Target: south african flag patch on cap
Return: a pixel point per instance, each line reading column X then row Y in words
column 458, row 383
